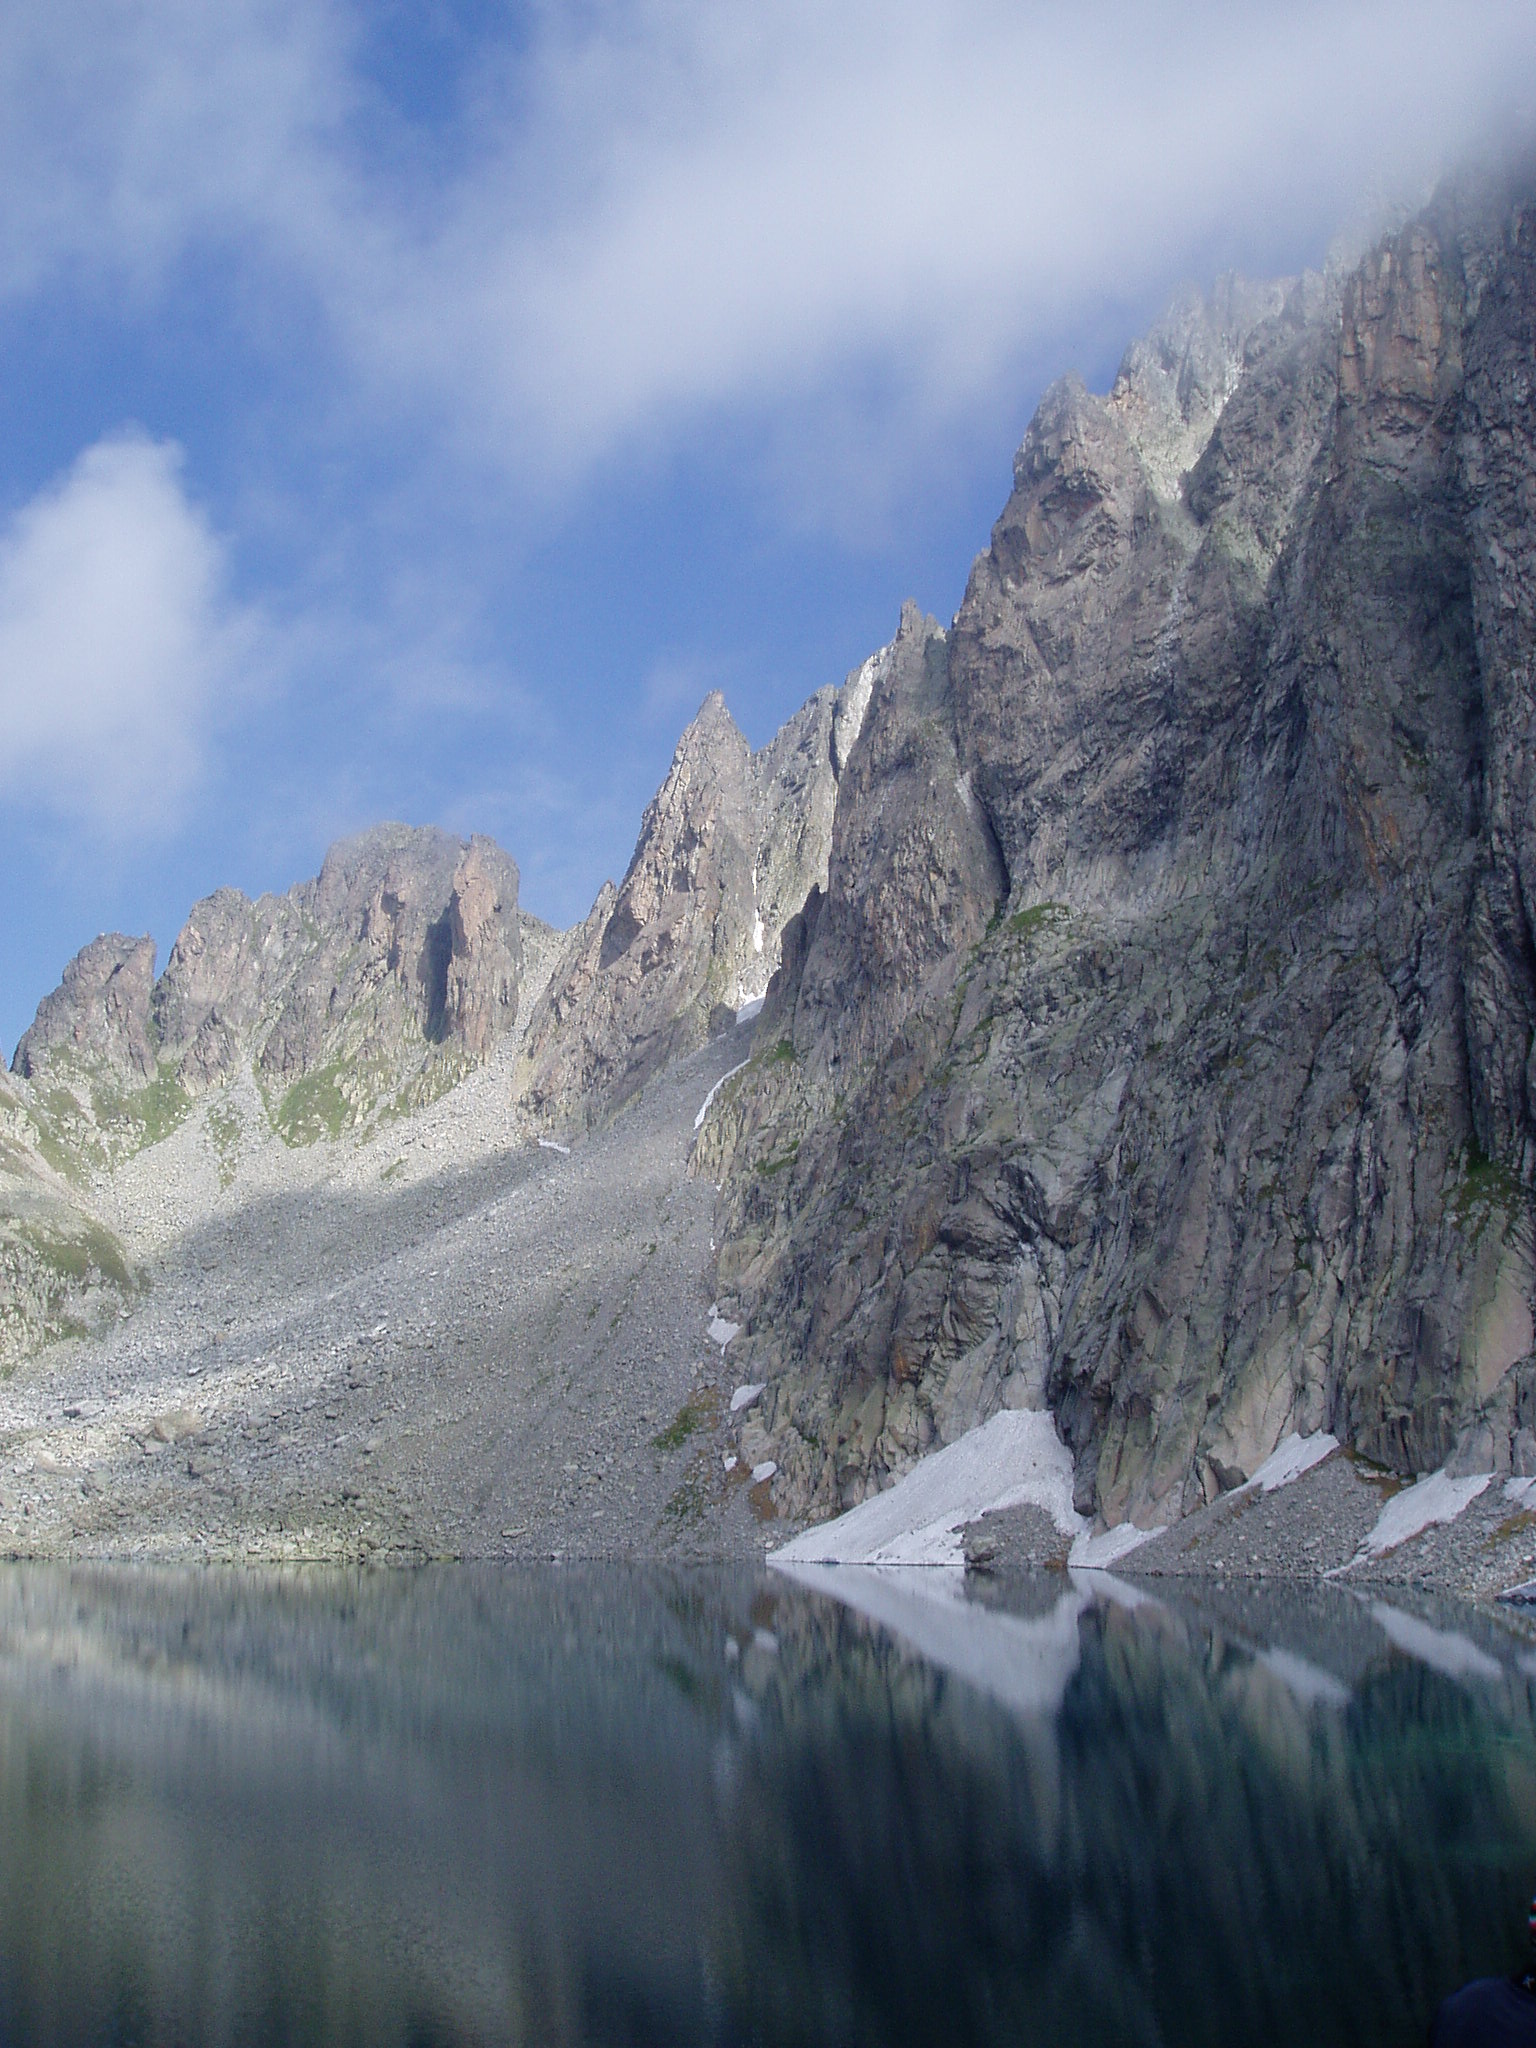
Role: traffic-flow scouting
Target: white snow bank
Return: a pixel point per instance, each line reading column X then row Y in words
column 549, row 1145
column 1026, row 1664
column 1014, row 1459
column 1290, row 1459
column 698, row 1122
column 745, row 1012
column 721, row 1332
column 1431, row 1499
column 1518, row 1489
column 1442, row 1649
column 1098, row 1553
column 745, row 1396
column 763, row 1471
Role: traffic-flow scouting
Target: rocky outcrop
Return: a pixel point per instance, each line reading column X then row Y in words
column 727, row 853
column 397, row 966
column 1220, row 1126
column 62, row 1272
column 99, row 1015
column 480, row 986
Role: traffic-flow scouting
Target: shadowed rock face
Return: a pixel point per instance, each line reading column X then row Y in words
column 1222, row 1126
column 727, row 853
column 407, row 939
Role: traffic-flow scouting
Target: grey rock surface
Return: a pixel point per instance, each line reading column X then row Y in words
column 447, row 1341
column 1199, row 1111
column 388, row 976
column 728, row 851
column 99, row 1015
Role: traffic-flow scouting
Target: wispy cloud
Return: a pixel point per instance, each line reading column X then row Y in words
column 651, row 214
column 757, row 202
column 116, row 641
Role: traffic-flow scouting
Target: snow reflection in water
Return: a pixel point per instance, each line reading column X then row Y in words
column 855, row 1805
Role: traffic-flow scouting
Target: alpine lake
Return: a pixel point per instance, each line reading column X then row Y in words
column 593, row 1803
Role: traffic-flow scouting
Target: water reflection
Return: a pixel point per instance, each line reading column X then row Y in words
column 628, row 1807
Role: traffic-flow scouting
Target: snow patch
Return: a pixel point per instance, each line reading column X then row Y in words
column 763, row 1471
column 549, row 1145
column 721, row 1332
column 698, row 1122
column 747, row 1011
column 745, row 1396
column 757, row 932
column 1014, row 1459
column 1098, row 1553
column 1432, row 1499
column 1290, row 1459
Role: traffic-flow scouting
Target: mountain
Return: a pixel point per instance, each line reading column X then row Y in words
column 377, row 984
column 1146, row 965
column 728, row 851
column 1160, row 1049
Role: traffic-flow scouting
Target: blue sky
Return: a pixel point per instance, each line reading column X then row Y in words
column 413, row 410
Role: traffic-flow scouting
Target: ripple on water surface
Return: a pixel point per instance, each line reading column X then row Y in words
column 629, row 1806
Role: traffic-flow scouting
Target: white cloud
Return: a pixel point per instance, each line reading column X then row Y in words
column 652, row 213
column 115, row 640
column 747, row 205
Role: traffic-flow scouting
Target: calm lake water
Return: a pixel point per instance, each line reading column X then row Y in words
column 601, row 1805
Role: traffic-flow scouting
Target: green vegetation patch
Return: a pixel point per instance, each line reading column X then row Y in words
column 313, row 1108
column 685, row 1423
column 688, row 1503
column 145, row 1115
column 769, row 1167
column 1485, row 1185
column 76, row 1258
column 1025, row 924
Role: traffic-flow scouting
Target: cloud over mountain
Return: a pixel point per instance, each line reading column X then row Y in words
column 637, row 215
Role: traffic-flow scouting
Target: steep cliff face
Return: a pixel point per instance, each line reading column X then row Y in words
column 1191, row 1093
column 728, row 851
column 392, row 971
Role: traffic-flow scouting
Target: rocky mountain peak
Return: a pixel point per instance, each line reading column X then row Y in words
column 100, row 1013
column 1174, row 383
column 728, row 852
column 484, row 970
column 401, row 956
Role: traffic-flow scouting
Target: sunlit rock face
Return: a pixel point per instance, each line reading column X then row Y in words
column 100, row 1012
column 728, row 851
column 1159, row 1049
column 391, row 971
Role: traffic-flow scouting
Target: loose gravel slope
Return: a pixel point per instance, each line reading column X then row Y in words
column 453, row 1340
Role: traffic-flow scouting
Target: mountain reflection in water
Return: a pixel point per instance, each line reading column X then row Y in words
column 626, row 1806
